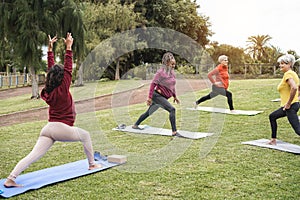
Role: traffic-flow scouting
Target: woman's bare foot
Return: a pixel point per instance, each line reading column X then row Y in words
column 10, row 183
column 95, row 166
column 233, row 111
column 272, row 142
column 137, row 127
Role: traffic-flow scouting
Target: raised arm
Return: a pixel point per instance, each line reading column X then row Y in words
column 68, row 41
column 50, row 53
column 69, row 55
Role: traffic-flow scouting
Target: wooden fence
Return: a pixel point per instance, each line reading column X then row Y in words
column 19, row 80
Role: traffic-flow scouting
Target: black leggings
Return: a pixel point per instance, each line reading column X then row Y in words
column 291, row 115
column 159, row 101
column 215, row 92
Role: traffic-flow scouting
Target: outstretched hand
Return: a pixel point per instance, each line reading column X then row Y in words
column 68, row 41
column 176, row 100
column 149, row 101
column 51, row 42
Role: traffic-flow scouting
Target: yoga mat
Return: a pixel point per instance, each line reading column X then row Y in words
column 281, row 146
column 161, row 131
column 37, row 179
column 227, row 111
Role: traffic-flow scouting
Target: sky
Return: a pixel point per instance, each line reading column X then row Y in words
column 233, row 21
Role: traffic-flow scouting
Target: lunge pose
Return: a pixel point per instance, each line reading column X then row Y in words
column 288, row 90
column 161, row 89
column 219, row 78
column 61, row 114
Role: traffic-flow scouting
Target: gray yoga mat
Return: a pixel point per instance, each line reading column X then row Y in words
column 227, row 111
column 281, row 146
column 161, row 131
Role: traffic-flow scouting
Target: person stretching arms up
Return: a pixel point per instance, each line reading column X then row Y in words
column 61, row 114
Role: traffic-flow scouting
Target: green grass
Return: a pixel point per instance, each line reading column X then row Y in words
column 158, row 168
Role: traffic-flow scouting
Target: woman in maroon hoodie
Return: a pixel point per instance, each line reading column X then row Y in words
column 161, row 89
column 61, row 114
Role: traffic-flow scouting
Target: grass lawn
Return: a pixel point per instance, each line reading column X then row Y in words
column 218, row 167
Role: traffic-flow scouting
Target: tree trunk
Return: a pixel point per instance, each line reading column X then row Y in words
column 34, row 84
column 80, row 75
column 117, row 74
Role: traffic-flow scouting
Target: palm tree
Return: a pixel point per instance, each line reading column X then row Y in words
column 257, row 46
column 26, row 35
column 29, row 23
column 71, row 20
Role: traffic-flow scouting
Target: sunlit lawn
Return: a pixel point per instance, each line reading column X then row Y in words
column 160, row 168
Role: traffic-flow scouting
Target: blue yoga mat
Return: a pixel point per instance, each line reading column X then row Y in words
column 41, row 178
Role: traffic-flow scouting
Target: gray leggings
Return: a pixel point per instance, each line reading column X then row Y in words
column 159, row 101
column 55, row 131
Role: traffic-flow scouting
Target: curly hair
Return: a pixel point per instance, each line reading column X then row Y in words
column 167, row 57
column 54, row 77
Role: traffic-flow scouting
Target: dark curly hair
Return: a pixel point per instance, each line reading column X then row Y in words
column 54, row 78
column 167, row 57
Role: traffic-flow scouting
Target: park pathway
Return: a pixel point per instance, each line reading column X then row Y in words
column 134, row 96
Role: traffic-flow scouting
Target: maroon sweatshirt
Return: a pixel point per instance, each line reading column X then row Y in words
column 164, row 82
column 60, row 101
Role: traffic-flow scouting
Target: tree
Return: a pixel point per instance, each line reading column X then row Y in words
column 29, row 24
column 26, row 35
column 237, row 56
column 102, row 22
column 257, row 46
column 272, row 54
column 71, row 20
column 177, row 15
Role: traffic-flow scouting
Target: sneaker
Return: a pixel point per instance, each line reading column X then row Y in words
column 98, row 156
column 121, row 126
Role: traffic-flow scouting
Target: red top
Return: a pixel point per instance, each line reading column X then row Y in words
column 165, row 82
column 221, row 75
column 60, row 101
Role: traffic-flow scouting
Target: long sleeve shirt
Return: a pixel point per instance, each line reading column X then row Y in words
column 219, row 74
column 163, row 82
column 60, row 101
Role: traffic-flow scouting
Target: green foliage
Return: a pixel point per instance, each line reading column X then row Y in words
column 185, row 69
column 237, row 56
column 140, row 72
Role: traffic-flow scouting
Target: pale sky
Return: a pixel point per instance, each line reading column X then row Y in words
column 233, row 21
